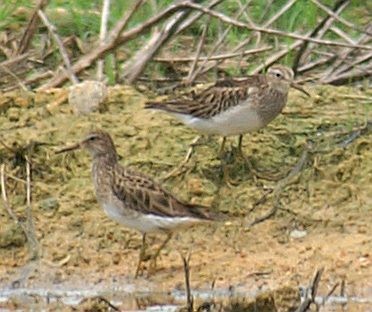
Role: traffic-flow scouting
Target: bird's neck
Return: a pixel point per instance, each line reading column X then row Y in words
column 102, row 168
column 105, row 160
column 280, row 86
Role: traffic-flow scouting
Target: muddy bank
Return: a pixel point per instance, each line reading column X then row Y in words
column 323, row 216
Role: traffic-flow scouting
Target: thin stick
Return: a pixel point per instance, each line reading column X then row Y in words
column 271, row 31
column 136, row 65
column 216, row 46
column 353, row 75
column 346, row 68
column 31, row 28
column 179, row 169
column 186, row 268
column 318, row 32
column 289, row 179
column 311, row 291
column 15, row 61
column 331, row 292
column 284, row 9
column 342, row 34
column 188, row 22
column 339, row 18
column 4, row 196
column 212, row 58
column 10, row 73
column 102, row 36
column 34, row 244
column 61, row 48
column 114, row 40
column 192, row 74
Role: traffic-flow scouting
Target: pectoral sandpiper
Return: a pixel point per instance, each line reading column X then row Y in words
column 234, row 107
column 134, row 199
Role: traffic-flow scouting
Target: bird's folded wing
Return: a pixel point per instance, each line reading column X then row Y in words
column 221, row 96
column 140, row 193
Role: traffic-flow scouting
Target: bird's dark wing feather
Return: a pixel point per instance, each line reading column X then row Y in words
column 218, row 98
column 139, row 192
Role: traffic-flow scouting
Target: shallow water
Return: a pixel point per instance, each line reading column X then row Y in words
column 127, row 297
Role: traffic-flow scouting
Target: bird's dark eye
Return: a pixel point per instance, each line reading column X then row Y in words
column 278, row 75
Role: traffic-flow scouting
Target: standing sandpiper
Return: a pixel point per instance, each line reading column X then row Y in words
column 234, row 107
column 133, row 199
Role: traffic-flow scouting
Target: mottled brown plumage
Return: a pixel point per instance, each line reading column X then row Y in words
column 251, row 102
column 132, row 198
column 233, row 107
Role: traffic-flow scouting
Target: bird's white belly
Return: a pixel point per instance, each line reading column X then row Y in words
column 149, row 222
column 237, row 120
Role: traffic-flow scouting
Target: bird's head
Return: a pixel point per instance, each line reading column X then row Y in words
column 282, row 78
column 98, row 143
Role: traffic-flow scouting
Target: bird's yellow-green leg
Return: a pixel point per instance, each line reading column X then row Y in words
column 157, row 253
column 142, row 256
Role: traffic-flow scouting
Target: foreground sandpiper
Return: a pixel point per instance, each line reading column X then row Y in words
column 133, row 199
column 234, row 107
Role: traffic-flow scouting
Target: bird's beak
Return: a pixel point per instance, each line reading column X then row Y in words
column 69, row 148
column 299, row 88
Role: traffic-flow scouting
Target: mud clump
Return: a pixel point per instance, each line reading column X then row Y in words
column 12, row 236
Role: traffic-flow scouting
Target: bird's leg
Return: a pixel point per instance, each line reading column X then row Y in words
column 178, row 170
column 222, row 148
column 240, row 145
column 224, row 165
column 255, row 172
column 142, row 255
column 157, row 253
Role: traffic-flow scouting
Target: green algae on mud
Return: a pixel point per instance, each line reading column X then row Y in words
column 330, row 197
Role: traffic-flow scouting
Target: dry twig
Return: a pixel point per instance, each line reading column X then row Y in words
column 282, row 184
column 102, row 35
column 186, row 268
column 5, row 197
column 31, row 233
column 192, row 73
column 115, row 39
column 311, row 291
column 61, row 48
column 135, row 66
column 271, row 31
column 31, row 28
column 218, row 57
column 319, row 31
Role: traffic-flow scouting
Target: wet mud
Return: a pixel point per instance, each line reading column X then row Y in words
column 322, row 217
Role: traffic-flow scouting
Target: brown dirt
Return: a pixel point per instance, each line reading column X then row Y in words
column 330, row 198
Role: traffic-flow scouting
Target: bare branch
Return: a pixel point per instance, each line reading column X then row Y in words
column 212, row 58
column 216, row 46
column 134, row 67
column 311, row 291
column 61, row 48
column 4, row 195
column 339, row 18
column 239, row 24
column 192, row 73
column 114, row 40
column 186, row 268
column 31, row 234
column 284, row 9
column 102, row 35
column 31, row 28
column 318, row 32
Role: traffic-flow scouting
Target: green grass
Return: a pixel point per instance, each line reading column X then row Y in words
column 82, row 19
